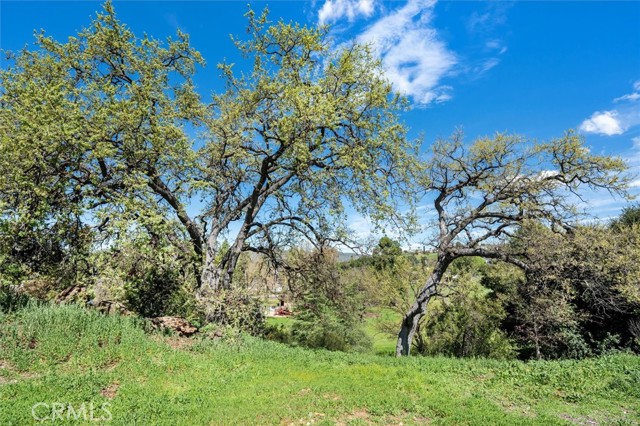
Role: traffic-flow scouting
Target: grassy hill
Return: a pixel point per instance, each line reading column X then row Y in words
column 70, row 356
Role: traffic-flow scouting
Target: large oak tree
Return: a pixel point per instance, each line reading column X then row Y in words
column 484, row 191
column 108, row 128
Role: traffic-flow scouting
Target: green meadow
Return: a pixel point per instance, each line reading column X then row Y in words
column 71, row 356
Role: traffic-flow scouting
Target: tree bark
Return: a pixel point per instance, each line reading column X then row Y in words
column 217, row 274
column 211, row 273
column 411, row 320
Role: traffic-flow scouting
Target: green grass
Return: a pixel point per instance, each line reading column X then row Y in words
column 73, row 356
column 284, row 321
column 384, row 343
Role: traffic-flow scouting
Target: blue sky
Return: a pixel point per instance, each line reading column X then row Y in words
column 533, row 68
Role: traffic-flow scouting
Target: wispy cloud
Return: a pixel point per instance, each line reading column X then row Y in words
column 414, row 57
column 633, row 96
column 493, row 15
column 333, row 10
column 618, row 120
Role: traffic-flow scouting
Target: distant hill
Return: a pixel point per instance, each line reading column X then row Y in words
column 345, row 257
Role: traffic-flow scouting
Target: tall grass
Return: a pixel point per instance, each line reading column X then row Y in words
column 42, row 335
column 69, row 354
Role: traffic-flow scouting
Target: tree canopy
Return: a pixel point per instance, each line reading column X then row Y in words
column 107, row 129
column 483, row 192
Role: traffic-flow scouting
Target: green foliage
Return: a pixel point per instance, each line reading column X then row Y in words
column 465, row 322
column 40, row 336
column 96, row 133
column 214, row 382
column 149, row 274
column 629, row 217
column 329, row 307
column 87, row 127
column 386, row 253
column 11, row 299
column 580, row 296
column 324, row 330
column 43, row 257
column 482, row 192
column 236, row 309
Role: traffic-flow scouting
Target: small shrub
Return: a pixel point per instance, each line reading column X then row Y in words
column 11, row 299
column 234, row 308
column 331, row 333
column 277, row 333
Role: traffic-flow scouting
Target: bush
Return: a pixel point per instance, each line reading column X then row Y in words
column 11, row 300
column 277, row 333
column 329, row 306
column 234, row 308
column 150, row 277
column 331, row 333
column 466, row 323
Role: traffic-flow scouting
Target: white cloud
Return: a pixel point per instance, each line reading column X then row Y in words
column 635, row 184
column 630, row 97
column 604, row 123
column 478, row 20
column 636, row 142
column 333, row 10
column 487, row 65
column 616, row 121
column 414, row 57
column 496, row 45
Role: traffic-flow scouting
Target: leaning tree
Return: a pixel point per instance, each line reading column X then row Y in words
column 109, row 128
column 483, row 192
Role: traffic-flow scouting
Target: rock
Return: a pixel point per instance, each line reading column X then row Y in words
column 109, row 307
column 72, row 294
column 177, row 324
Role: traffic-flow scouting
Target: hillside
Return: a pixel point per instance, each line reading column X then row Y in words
column 71, row 356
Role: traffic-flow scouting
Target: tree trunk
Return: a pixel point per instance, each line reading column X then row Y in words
column 210, row 279
column 411, row 320
column 217, row 274
column 536, row 339
column 211, row 274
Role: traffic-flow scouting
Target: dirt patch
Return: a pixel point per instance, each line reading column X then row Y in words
column 406, row 419
column 180, row 342
column 6, row 369
column 111, row 365
column 307, row 421
column 359, row 414
column 579, row 420
column 176, row 342
column 7, row 381
column 332, row 396
column 522, row 410
column 110, row 391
